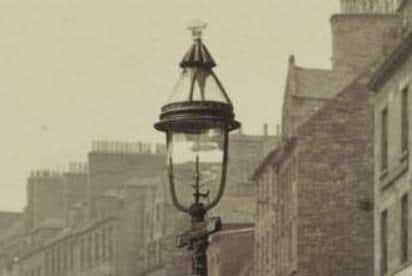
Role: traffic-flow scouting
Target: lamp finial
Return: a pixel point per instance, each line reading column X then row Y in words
column 197, row 27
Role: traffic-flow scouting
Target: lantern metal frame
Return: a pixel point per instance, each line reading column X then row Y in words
column 196, row 116
column 193, row 116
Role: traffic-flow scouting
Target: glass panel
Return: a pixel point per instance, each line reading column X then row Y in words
column 181, row 91
column 197, row 84
column 196, row 159
column 214, row 92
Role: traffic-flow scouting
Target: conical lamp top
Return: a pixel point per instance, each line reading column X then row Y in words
column 197, row 81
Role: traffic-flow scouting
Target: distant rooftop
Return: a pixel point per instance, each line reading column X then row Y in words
column 46, row 173
column 127, row 147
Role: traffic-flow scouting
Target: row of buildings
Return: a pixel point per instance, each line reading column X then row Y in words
column 334, row 197
column 112, row 216
column 329, row 195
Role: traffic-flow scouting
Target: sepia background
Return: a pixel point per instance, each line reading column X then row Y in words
column 318, row 179
column 74, row 71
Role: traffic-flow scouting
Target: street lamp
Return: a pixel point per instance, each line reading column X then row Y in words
column 197, row 120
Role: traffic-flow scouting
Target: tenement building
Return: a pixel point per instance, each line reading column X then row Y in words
column 12, row 241
column 87, row 220
column 159, row 254
column 108, row 245
column 112, row 216
column 315, row 191
column 105, row 246
column 392, row 83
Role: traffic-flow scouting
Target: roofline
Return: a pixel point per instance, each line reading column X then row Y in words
column 396, row 58
column 66, row 235
column 233, row 231
column 275, row 155
column 322, row 70
column 14, row 213
column 338, row 16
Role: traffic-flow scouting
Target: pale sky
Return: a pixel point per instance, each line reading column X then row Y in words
column 73, row 71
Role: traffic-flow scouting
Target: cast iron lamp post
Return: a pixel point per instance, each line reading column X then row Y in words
column 197, row 121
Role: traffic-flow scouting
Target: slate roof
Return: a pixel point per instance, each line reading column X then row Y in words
column 307, row 89
column 274, row 156
column 384, row 68
column 317, row 83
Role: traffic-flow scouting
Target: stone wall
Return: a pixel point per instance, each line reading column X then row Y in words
column 394, row 181
column 335, row 168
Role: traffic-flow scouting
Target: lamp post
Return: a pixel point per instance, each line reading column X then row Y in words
column 197, row 120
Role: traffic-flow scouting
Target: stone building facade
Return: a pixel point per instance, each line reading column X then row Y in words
column 106, row 245
column 276, row 220
column 159, row 253
column 12, row 241
column 118, row 198
column 58, row 209
column 315, row 191
column 392, row 84
column 87, row 251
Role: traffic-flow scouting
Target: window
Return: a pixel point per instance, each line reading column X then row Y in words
column 54, row 260
column 89, row 250
column 273, row 245
column 295, row 168
column 104, row 244
column 157, row 212
column 110, row 242
column 384, row 139
column 386, row 8
column 72, row 245
column 57, row 259
column 274, row 182
column 82, row 254
column 47, row 263
column 404, row 228
column 405, row 119
column 64, row 256
column 290, row 245
column 384, row 242
column 96, row 247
